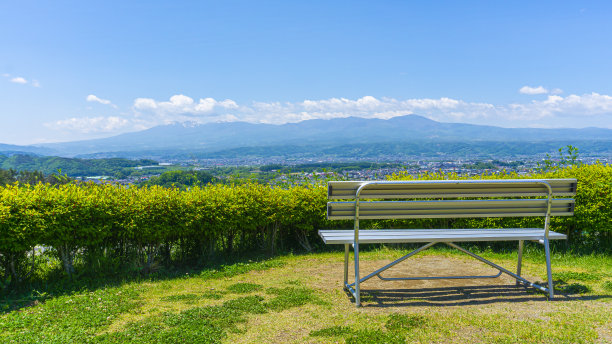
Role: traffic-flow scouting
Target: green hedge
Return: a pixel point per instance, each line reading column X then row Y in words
column 106, row 227
column 591, row 225
column 97, row 228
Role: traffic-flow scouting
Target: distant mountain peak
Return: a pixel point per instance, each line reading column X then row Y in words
column 191, row 135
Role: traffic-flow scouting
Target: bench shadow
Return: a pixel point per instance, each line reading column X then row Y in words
column 461, row 296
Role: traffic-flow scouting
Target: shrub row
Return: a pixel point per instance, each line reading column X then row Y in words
column 105, row 226
column 591, row 225
column 108, row 227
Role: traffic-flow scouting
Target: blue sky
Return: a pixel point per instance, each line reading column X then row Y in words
column 88, row 69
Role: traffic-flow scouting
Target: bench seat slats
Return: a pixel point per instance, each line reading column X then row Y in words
column 373, row 236
column 451, row 189
column 449, row 209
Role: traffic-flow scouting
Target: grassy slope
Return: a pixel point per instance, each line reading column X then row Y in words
column 298, row 299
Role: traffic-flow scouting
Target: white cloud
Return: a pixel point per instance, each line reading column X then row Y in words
column 533, row 90
column 93, row 98
column 19, row 80
column 365, row 103
column 145, row 104
column 182, row 108
column 591, row 109
column 179, row 107
column 584, row 106
column 90, row 124
column 587, row 104
column 367, row 107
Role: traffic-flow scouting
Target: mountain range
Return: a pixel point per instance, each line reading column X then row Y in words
column 212, row 137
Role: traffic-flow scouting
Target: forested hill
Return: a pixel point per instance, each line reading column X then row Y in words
column 375, row 151
column 69, row 166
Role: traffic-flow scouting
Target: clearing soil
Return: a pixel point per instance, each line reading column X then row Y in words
column 437, row 292
column 461, row 310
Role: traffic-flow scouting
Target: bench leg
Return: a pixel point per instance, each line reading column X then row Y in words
column 520, row 260
column 346, row 258
column 357, row 294
column 551, row 291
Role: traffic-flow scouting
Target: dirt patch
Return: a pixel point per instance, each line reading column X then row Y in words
column 423, row 293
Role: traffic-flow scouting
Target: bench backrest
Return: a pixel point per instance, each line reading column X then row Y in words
column 451, row 188
column 438, row 193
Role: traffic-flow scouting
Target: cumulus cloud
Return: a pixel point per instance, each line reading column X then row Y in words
column 95, row 99
column 19, row 80
column 586, row 105
column 180, row 106
column 145, row 104
column 555, row 110
column 367, row 107
column 90, row 124
column 533, row 90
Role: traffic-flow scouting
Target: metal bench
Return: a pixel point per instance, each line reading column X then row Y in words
column 446, row 199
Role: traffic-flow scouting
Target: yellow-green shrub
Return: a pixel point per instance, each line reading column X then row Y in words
column 106, row 227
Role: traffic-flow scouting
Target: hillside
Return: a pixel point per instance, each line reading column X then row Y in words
column 69, row 166
column 376, row 150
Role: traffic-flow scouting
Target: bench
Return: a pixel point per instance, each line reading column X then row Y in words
column 446, row 199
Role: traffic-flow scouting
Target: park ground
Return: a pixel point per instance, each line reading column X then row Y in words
column 299, row 299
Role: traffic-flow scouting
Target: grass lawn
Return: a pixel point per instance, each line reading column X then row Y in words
column 299, row 299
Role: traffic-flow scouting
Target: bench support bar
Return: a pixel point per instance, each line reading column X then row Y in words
column 519, row 280
column 436, row 277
